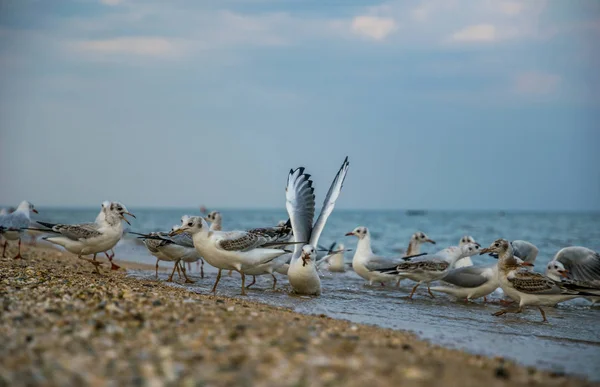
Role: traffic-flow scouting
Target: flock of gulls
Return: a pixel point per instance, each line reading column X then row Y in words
column 292, row 248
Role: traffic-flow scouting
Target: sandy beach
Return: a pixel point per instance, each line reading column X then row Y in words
column 61, row 324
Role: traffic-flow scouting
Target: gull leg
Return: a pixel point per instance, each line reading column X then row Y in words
column 414, row 289
column 189, row 266
column 506, row 302
column 113, row 266
column 178, row 270
column 94, row 257
column 431, row 294
column 543, row 314
column 95, row 263
column 274, row 280
column 230, row 272
column 187, row 280
column 156, row 269
column 170, row 279
column 484, row 299
column 214, row 289
column 243, row 283
column 253, row 282
column 18, row 256
column 4, row 248
column 398, row 282
column 201, row 268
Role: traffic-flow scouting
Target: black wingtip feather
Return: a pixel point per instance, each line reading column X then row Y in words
column 46, row 224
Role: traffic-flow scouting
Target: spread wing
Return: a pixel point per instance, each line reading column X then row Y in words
column 300, row 205
column 470, row 276
column 524, row 250
column 75, row 232
column 582, row 263
column 329, row 203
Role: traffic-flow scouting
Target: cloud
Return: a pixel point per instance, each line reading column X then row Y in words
column 377, row 28
column 476, row 33
column 536, row 83
column 144, row 46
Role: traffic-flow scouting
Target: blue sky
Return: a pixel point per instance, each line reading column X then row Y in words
column 439, row 104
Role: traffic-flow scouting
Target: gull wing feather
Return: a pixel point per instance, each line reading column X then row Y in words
column 525, row 250
column 329, row 203
column 14, row 221
column 300, row 205
column 470, row 276
column 75, row 232
column 582, row 263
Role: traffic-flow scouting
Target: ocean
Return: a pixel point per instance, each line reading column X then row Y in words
column 570, row 343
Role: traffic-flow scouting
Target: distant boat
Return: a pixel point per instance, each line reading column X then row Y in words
column 416, row 212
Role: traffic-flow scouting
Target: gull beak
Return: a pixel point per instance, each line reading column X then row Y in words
column 305, row 258
column 349, row 233
column 485, row 251
column 564, row 273
column 430, row 241
column 34, row 211
column 178, row 231
column 125, row 219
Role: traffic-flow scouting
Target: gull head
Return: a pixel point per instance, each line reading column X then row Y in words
column 117, row 209
column 466, row 239
column 469, row 249
column 556, row 269
column 26, row 206
column 499, row 246
column 360, row 232
column 421, row 237
column 192, row 225
column 213, row 216
column 308, row 253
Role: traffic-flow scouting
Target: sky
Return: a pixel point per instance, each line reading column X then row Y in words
column 439, row 104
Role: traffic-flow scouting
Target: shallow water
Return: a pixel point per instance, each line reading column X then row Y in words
column 569, row 343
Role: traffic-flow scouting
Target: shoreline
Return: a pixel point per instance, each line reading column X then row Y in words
column 62, row 325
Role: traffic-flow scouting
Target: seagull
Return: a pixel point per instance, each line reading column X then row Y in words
column 427, row 268
column 416, row 240
column 414, row 247
column 185, row 240
column 215, row 219
column 335, row 258
column 90, row 238
column 300, row 205
column 467, row 260
column 12, row 225
column 233, row 250
column 168, row 251
column 577, row 264
column 101, row 220
column 366, row 264
column 472, row 282
column 527, row 287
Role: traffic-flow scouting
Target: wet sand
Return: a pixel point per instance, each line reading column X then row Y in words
column 61, row 324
